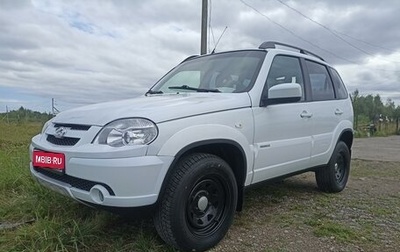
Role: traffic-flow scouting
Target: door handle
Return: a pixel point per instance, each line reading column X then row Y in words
column 338, row 112
column 306, row 114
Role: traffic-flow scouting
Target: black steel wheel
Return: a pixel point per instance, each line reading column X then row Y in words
column 333, row 177
column 198, row 206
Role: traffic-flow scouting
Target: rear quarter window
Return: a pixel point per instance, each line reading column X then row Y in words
column 341, row 92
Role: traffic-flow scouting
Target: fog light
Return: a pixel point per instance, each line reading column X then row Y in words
column 98, row 193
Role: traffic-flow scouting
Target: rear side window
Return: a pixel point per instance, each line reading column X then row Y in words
column 321, row 84
column 341, row 92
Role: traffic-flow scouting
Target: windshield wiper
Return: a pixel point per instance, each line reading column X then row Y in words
column 186, row 87
column 153, row 92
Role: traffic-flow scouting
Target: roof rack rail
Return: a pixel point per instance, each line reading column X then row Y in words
column 273, row 44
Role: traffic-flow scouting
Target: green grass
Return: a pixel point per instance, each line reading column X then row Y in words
column 374, row 169
column 385, row 129
column 353, row 217
column 59, row 224
column 333, row 229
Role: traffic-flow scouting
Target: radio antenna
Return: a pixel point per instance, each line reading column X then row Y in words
column 222, row 34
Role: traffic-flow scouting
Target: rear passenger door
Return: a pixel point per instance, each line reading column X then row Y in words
column 326, row 110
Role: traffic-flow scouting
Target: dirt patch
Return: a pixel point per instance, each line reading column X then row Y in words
column 377, row 148
column 295, row 216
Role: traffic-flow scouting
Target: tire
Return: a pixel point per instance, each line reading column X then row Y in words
column 198, row 205
column 333, row 178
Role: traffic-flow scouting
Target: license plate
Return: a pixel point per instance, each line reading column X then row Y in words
column 48, row 160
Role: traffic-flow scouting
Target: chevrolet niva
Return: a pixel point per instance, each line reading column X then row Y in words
column 212, row 126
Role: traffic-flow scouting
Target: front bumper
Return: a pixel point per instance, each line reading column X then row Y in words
column 133, row 186
column 102, row 176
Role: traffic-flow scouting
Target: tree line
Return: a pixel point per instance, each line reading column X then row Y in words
column 24, row 115
column 372, row 116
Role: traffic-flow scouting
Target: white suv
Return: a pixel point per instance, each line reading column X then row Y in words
column 209, row 128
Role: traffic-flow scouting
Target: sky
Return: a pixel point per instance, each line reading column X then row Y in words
column 84, row 52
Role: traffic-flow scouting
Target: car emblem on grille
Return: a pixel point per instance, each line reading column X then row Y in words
column 60, row 132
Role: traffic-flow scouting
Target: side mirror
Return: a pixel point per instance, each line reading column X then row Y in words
column 283, row 93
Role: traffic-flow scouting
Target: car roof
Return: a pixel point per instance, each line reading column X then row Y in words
column 273, row 46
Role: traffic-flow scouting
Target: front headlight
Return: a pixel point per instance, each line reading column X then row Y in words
column 123, row 132
column 46, row 125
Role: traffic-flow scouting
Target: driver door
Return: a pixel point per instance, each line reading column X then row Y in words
column 283, row 132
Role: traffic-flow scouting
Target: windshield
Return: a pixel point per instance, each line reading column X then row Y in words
column 231, row 72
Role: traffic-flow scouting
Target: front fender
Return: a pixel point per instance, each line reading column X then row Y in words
column 208, row 132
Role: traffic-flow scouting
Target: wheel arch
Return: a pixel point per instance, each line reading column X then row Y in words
column 347, row 137
column 228, row 150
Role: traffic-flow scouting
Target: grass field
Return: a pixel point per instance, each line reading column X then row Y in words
column 289, row 216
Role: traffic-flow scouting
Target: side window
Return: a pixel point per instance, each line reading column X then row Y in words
column 341, row 92
column 285, row 69
column 321, row 84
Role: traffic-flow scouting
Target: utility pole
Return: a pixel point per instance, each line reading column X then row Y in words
column 54, row 110
column 204, row 18
column 7, row 114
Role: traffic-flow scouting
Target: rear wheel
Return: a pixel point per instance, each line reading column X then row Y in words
column 333, row 177
column 198, row 206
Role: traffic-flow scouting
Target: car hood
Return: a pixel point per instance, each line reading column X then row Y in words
column 157, row 108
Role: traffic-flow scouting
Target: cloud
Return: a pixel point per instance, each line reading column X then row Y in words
column 83, row 52
column 10, row 101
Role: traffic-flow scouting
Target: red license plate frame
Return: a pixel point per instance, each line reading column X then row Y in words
column 50, row 160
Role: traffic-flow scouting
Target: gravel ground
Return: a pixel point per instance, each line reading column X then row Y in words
column 295, row 216
column 377, row 148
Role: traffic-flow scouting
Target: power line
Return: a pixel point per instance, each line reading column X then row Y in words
column 333, row 32
column 309, row 42
column 365, row 42
column 297, row 36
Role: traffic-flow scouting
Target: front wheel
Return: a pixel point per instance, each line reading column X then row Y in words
column 333, row 177
column 198, row 205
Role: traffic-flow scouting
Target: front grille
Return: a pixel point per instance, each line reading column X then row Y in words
column 72, row 126
column 65, row 141
column 82, row 184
